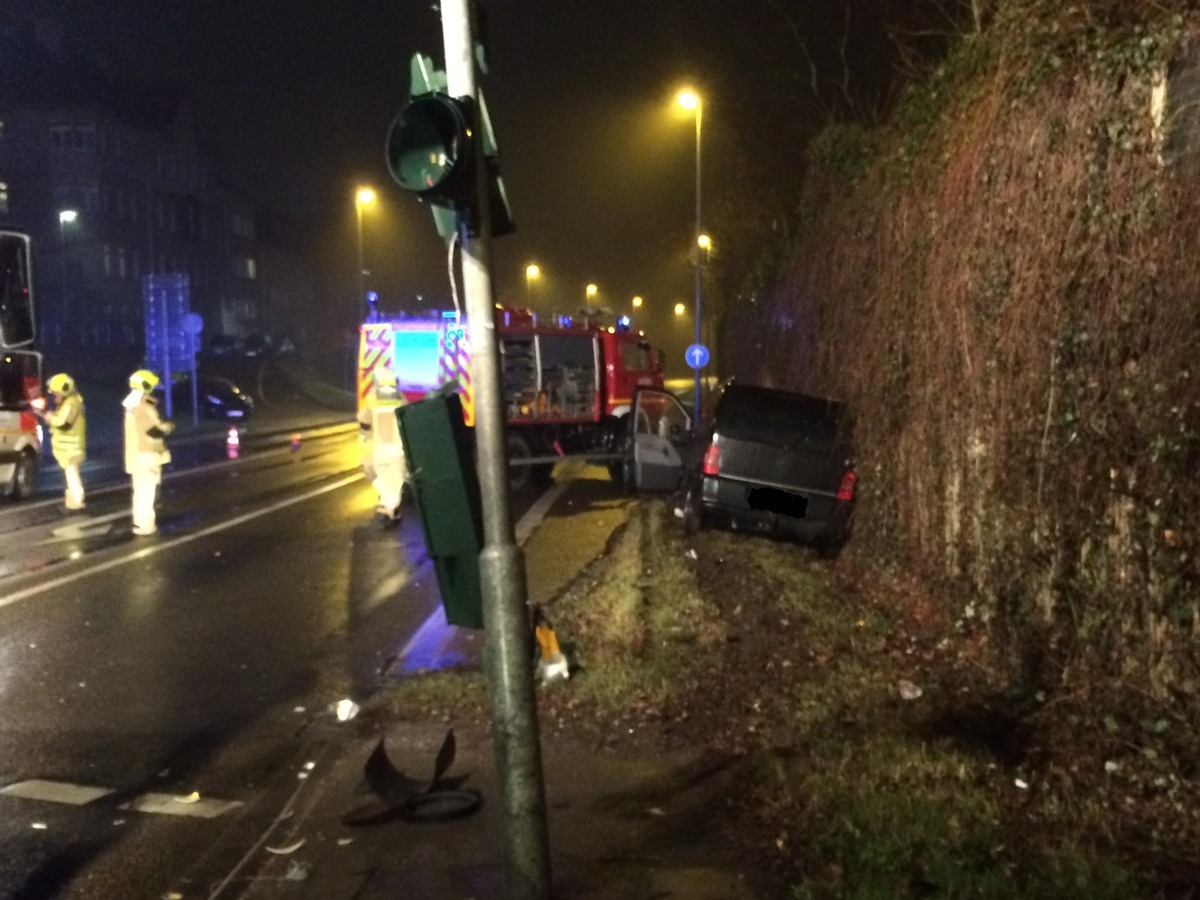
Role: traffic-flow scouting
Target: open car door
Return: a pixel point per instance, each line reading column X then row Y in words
column 662, row 440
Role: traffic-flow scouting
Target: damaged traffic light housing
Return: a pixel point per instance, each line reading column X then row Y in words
column 431, row 152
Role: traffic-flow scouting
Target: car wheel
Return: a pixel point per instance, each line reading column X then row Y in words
column 23, row 477
column 693, row 514
column 518, row 450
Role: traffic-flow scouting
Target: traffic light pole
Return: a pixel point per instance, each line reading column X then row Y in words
column 501, row 563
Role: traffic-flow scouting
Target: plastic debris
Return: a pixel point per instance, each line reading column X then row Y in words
column 1023, row 785
column 40, row 826
column 691, row 554
column 552, row 662
column 400, row 797
column 342, row 842
column 284, row 851
column 908, row 690
column 346, row 710
column 297, row 871
column 193, row 797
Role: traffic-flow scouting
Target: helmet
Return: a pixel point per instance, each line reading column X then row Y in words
column 62, row 383
column 143, row 380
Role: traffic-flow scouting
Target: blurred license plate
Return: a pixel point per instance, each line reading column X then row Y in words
column 774, row 500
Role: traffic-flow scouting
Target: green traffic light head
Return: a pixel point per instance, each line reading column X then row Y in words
column 429, row 149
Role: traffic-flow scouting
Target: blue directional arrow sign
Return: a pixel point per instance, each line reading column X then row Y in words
column 696, row 356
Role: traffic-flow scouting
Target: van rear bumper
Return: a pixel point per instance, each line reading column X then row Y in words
column 819, row 518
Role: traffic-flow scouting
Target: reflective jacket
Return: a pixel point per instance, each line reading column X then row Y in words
column 68, row 430
column 144, row 433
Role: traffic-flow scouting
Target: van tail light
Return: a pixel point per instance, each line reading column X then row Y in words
column 712, row 460
column 846, row 490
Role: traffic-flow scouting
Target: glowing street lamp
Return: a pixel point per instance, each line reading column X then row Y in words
column 532, row 272
column 637, row 302
column 591, row 291
column 680, row 309
column 65, row 217
column 690, row 100
column 365, row 196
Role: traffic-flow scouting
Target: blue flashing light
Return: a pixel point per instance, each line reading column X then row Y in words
column 623, row 323
column 565, row 321
column 372, row 297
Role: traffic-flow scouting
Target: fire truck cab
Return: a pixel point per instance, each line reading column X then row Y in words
column 20, row 370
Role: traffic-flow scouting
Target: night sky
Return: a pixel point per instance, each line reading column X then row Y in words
column 293, row 101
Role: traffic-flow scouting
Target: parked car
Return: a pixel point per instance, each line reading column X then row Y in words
column 219, row 398
column 222, row 345
column 767, row 460
column 256, row 345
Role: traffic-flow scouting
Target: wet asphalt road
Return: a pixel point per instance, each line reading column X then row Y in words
column 202, row 659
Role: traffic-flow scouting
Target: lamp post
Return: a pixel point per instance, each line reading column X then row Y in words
column 637, row 302
column 590, row 292
column 680, row 309
column 364, row 196
column 689, row 99
column 65, row 217
column 532, row 272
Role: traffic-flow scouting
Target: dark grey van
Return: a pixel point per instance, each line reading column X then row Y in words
column 768, row 460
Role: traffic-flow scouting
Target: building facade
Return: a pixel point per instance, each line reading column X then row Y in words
column 112, row 185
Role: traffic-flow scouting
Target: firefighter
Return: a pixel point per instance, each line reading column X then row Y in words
column 383, row 454
column 68, row 435
column 145, row 450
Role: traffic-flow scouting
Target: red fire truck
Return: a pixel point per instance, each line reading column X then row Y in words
column 567, row 384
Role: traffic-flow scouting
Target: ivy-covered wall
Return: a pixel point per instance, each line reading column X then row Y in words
column 1004, row 281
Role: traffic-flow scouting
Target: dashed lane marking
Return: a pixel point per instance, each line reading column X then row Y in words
column 55, row 791
column 172, row 805
column 83, row 794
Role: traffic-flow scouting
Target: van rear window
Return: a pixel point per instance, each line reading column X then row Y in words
column 776, row 417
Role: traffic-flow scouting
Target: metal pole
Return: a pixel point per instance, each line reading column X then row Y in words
column 699, row 259
column 501, row 564
column 362, row 284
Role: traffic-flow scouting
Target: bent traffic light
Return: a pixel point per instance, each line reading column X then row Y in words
column 431, row 152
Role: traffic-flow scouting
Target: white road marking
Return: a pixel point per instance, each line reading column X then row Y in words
column 55, row 791
column 171, row 805
column 171, row 543
column 82, row 794
column 89, row 527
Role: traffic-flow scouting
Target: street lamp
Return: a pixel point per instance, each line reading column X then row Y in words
column 637, row 302
column 690, row 100
column 680, row 309
column 365, row 196
column 591, row 290
column 65, row 217
column 532, row 272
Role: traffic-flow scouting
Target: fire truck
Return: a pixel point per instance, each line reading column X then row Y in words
column 567, row 384
column 20, row 370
